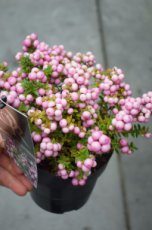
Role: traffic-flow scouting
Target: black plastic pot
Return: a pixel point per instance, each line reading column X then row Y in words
column 58, row 196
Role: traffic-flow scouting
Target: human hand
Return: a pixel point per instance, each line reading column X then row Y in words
column 12, row 177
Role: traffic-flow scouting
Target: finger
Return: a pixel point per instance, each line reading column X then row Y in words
column 16, row 169
column 2, row 142
column 9, row 164
column 9, row 181
column 25, row 181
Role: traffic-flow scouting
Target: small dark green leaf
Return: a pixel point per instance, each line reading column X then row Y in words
column 26, row 64
column 48, row 72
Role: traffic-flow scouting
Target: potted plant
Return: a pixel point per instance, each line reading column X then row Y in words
column 79, row 115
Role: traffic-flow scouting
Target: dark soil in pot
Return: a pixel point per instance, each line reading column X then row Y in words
column 58, row 196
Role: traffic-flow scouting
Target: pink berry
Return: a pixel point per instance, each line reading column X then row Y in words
column 104, row 140
column 43, row 146
column 27, row 42
column 63, row 123
column 37, row 138
column 49, row 146
column 79, row 164
column 86, row 115
column 75, row 182
column 74, row 96
column 119, row 125
column 48, row 153
column 83, row 97
column 65, row 130
column 61, row 166
column 12, row 80
column 88, row 163
column 96, row 147
column 58, row 113
column 39, row 101
column 85, row 169
column 96, row 135
column 125, row 149
column 10, row 99
column 123, row 142
column 82, row 182
column 128, row 126
column 105, row 148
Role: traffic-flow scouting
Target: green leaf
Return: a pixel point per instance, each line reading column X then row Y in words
column 138, row 130
column 31, row 87
column 31, row 49
column 23, row 108
column 66, row 161
column 3, row 67
column 36, row 147
column 6, row 76
column 132, row 147
column 81, row 174
column 82, row 154
column 34, row 128
column 117, row 151
column 26, row 64
column 48, row 72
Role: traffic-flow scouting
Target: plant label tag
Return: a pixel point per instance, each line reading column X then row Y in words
column 17, row 141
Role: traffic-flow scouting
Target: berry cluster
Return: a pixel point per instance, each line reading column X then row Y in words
column 124, row 146
column 133, row 110
column 47, row 148
column 76, row 110
column 98, row 142
column 83, row 166
column 114, row 87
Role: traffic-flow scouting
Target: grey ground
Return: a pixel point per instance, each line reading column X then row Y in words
column 119, row 33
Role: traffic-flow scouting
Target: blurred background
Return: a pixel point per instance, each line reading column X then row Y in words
column 119, row 33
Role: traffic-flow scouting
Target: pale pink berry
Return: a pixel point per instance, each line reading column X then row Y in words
column 88, row 163
column 50, row 111
column 49, row 146
column 125, row 149
column 96, row 147
column 63, row 123
column 85, row 169
column 104, row 140
column 37, row 138
column 58, row 113
column 53, row 126
column 128, row 127
column 47, row 130
column 86, row 115
column 10, row 99
column 106, row 148
column 148, row 135
column 123, row 142
column 74, row 96
column 65, row 130
column 70, row 111
column 82, row 182
column 39, row 101
column 12, row 80
column 75, row 182
column 119, row 125
column 48, row 153
column 79, row 164
column 27, row 42
column 83, row 97
column 61, row 166
column 96, row 135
